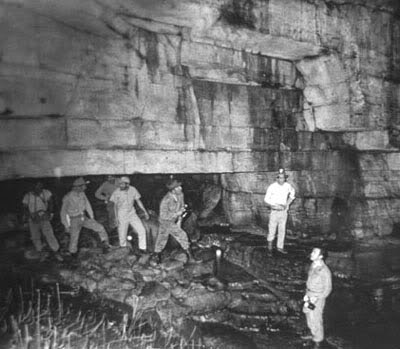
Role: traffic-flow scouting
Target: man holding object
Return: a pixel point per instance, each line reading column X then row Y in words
column 278, row 197
column 319, row 286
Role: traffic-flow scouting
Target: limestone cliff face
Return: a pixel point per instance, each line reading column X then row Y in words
column 234, row 87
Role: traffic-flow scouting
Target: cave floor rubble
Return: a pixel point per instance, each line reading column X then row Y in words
column 247, row 299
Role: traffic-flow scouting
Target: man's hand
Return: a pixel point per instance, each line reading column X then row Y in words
column 146, row 216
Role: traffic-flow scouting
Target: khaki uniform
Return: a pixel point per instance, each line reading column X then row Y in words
column 73, row 217
column 319, row 285
column 39, row 220
column 169, row 207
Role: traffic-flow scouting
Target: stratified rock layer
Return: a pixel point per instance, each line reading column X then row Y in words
column 230, row 87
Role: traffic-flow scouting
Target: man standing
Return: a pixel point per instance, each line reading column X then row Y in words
column 104, row 193
column 75, row 206
column 278, row 197
column 172, row 207
column 124, row 199
column 319, row 286
column 38, row 207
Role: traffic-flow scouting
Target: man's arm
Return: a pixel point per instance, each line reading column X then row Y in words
column 326, row 279
column 141, row 206
column 63, row 213
column 25, row 208
column 50, row 204
column 25, row 213
column 113, row 199
column 50, row 207
column 99, row 194
column 291, row 196
column 267, row 198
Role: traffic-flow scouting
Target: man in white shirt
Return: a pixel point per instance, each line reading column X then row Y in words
column 124, row 199
column 278, row 197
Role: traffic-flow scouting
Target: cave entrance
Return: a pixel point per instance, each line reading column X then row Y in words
column 151, row 187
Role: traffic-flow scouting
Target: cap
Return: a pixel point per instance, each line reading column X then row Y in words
column 282, row 172
column 124, row 179
column 79, row 182
column 173, row 183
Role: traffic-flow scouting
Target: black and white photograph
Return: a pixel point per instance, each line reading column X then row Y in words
column 199, row 174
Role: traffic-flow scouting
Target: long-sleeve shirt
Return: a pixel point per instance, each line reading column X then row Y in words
column 319, row 281
column 36, row 202
column 170, row 206
column 105, row 191
column 74, row 204
column 278, row 194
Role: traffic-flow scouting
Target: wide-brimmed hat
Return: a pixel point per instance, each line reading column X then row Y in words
column 173, row 183
column 79, row 182
column 282, row 172
column 124, row 179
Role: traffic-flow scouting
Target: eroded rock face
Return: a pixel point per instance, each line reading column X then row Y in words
column 210, row 87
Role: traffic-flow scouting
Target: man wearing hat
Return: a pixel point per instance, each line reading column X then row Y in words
column 104, row 193
column 76, row 213
column 124, row 199
column 38, row 206
column 278, row 197
column 172, row 207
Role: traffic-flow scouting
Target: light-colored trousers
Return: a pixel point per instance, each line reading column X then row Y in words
column 79, row 222
column 315, row 320
column 168, row 228
column 136, row 223
column 43, row 227
column 277, row 219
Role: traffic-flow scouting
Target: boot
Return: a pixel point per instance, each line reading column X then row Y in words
column 155, row 259
column 317, row 345
column 282, row 250
column 191, row 258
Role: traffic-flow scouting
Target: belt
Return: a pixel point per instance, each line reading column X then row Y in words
column 76, row 216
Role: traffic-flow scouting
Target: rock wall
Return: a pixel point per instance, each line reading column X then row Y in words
column 234, row 87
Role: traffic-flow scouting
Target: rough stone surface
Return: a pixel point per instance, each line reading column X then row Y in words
column 96, row 87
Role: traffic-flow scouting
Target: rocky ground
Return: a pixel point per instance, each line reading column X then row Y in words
column 247, row 299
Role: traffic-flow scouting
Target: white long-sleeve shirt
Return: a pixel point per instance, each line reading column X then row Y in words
column 278, row 194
